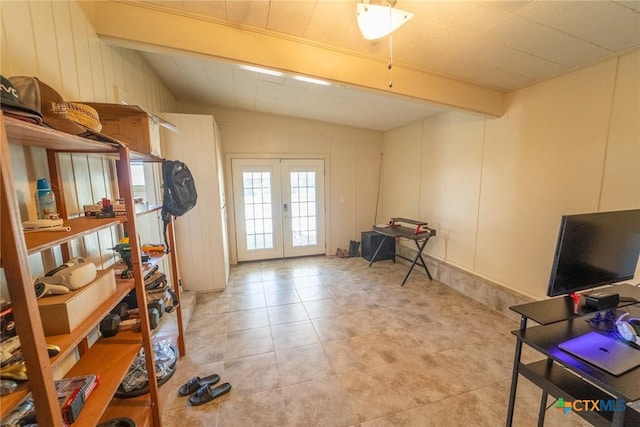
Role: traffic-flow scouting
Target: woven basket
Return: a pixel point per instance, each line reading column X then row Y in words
column 84, row 115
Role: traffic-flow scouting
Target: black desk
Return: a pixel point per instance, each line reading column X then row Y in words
column 420, row 236
column 563, row 375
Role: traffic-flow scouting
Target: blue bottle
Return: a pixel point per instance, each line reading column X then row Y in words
column 45, row 200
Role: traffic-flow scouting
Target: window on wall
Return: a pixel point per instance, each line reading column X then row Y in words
column 138, row 180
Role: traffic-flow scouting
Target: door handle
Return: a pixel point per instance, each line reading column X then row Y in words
column 286, row 207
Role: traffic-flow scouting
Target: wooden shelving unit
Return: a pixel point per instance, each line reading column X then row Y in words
column 41, row 240
column 109, row 358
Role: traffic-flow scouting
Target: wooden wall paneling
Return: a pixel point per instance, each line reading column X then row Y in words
column 144, row 83
column 91, row 246
column 143, row 87
column 36, row 158
column 402, row 165
column 46, row 47
column 99, row 186
column 36, row 265
column 66, row 55
column 82, row 180
column 76, row 248
column 367, row 167
column 623, row 140
column 83, row 184
column 200, row 144
column 129, row 80
column 108, row 240
column 191, row 259
column 26, row 199
column 118, row 70
column 340, row 189
column 68, row 184
column 201, row 256
column 105, row 256
column 52, row 258
column 5, row 60
column 97, row 68
column 22, row 47
column 107, row 72
column 79, row 27
column 110, row 181
column 56, row 182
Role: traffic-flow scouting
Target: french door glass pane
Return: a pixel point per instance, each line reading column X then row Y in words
column 257, row 210
column 303, row 208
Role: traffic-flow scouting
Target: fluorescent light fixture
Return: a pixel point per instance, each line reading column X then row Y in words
column 261, row 70
column 377, row 20
column 279, row 74
column 311, row 80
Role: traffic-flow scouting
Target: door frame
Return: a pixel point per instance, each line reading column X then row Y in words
column 230, row 205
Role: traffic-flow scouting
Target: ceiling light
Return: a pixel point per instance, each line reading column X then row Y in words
column 261, row 70
column 310, row 80
column 379, row 20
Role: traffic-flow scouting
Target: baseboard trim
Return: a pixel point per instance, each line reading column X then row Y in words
column 480, row 289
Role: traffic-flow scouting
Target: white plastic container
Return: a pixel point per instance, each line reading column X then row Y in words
column 46, row 200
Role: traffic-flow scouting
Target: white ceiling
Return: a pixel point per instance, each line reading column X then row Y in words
column 502, row 45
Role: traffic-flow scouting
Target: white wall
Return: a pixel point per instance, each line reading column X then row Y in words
column 352, row 163
column 201, row 233
column 53, row 41
column 495, row 188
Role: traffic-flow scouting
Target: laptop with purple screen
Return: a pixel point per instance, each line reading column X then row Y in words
column 608, row 354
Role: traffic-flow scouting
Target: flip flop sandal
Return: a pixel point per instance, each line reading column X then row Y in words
column 196, row 383
column 207, row 394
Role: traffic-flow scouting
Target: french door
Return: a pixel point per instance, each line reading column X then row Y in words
column 279, row 207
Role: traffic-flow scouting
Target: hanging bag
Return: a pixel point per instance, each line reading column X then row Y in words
column 180, row 195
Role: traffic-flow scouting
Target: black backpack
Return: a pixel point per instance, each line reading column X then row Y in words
column 180, row 194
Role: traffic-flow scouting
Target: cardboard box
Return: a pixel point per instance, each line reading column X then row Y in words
column 132, row 125
column 61, row 314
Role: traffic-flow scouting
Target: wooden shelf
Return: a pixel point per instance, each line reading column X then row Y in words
column 68, row 342
column 23, row 133
column 110, row 359
column 10, row 401
column 139, row 408
column 561, row 383
column 41, row 240
column 141, row 157
column 143, row 209
column 153, row 260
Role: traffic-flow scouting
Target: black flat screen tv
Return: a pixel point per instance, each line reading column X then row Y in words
column 595, row 249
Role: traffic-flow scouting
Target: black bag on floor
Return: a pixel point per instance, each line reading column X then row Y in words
column 180, row 195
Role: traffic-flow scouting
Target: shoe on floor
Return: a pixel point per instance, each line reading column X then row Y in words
column 195, row 383
column 206, row 394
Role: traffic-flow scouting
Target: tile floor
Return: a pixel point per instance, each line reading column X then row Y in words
column 325, row 341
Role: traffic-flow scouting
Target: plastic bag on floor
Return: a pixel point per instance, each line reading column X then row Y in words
column 136, row 382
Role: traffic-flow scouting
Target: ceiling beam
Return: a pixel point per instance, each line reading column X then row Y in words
column 147, row 28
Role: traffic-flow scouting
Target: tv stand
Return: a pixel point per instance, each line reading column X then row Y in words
column 562, row 375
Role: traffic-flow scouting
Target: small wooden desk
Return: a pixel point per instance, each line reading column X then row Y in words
column 420, row 235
